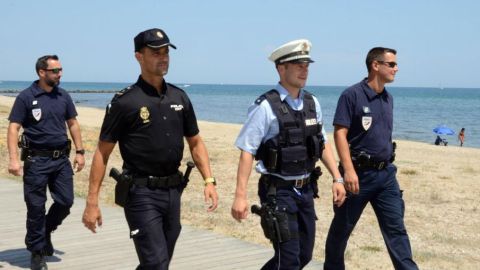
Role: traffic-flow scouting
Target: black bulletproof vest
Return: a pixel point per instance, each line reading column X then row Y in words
column 299, row 144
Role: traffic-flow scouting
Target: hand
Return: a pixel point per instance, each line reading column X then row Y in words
column 79, row 162
column 239, row 209
column 91, row 217
column 210, row 193
column 338, row 190
column 15, row 168
column 351, row 181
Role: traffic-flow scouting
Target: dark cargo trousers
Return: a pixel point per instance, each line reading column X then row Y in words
column 380, row 188
column 295, row 253
column 38, row 173
column 153, row 216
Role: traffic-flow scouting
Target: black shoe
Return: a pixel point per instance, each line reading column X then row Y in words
column 48, row 249
column 37, row 262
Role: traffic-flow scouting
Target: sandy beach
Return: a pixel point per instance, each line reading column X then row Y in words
column 442, row 207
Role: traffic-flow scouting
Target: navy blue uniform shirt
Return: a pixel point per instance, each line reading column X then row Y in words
column 43, row 115
column 150, row 127
column 369, row 119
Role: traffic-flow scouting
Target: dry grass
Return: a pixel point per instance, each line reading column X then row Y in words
column 439, row 183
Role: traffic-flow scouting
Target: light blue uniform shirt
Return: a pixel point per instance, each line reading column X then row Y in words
column 262, row 124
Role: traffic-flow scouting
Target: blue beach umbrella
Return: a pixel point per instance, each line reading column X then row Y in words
column 443, row 130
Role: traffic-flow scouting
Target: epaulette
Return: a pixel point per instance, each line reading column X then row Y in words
column 174, row 86
column 122, row 92
column 260, row 99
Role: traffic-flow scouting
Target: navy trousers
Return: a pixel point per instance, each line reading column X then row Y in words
column 38, row 173
column 153, row 216
column 295, row 253
column 380, row 188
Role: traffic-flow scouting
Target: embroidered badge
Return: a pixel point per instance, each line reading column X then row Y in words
column 159, row 34
column 310, row 122
column 366, row 109
column 144, row 114
column 34, row 102
column 37, row 113
column 366, row 122
column 134, row 232
column 176, row 107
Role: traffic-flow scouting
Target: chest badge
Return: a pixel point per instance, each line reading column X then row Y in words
column 37, row 113
column 366, row 109
column 176, row 107
column 366, row 122
column 144, row 114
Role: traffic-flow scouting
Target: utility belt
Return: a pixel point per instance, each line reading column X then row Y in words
column 48, row 153
column 29, row 150
column 155, row 182
column 364, row 161
column 268, row 179
column 125, row 180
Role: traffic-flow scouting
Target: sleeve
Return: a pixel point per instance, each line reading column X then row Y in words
column 190, row 125
column 18, row 114
column 113, row 122
column 318, row 109
column 344, row 112
column 71, row 110
column 254, row 130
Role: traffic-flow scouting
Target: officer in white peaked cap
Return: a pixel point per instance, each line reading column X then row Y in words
column 284, row 132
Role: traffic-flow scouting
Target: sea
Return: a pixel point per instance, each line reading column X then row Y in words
column 417, row 110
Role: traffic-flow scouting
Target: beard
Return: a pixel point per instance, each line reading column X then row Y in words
column 52, row 83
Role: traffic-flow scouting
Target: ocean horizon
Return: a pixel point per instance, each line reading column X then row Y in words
column 417, row 110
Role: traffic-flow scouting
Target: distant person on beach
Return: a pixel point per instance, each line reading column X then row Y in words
column 461, row 136
column 149, row 120
column 284, row 132
column 363, row 136
column 42, row 111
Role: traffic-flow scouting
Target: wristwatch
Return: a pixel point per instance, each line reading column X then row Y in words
column 81, row 152
column 339, row 180
column 210, row 180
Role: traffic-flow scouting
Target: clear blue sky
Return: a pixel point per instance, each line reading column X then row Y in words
column 221, row 41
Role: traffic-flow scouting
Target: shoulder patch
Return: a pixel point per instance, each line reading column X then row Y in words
column 122, row 92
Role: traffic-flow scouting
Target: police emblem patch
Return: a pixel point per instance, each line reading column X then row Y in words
column 366, row 122
column 366, row 109
column 159, row 34
column 144, row 114
column 37, row 113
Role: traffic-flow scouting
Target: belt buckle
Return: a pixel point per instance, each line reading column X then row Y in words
column 56, row 153
column 299, row 183
column 151, row 182
column 381, row 165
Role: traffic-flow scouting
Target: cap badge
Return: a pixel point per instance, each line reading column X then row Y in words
column 144, row 114
column 159, row 34
column 304, row 46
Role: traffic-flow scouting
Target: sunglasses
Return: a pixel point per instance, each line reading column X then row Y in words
column 54, row 70
column 389, row 64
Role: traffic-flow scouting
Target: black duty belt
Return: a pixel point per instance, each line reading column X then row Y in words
column 280, row 182
column 48, row 153
column 377, row 165
column 159, row 181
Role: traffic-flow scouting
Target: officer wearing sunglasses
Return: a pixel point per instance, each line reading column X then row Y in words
column 363, row 135
column 42, row 110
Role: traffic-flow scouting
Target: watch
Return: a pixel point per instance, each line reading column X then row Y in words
column 339, row 180
column 210, row 180
column 81, row 152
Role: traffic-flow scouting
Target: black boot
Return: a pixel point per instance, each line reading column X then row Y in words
column 37, row 262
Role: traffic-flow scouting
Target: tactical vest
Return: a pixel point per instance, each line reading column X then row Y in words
column 299, row 144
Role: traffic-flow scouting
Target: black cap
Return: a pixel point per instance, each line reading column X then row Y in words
column 153, row 38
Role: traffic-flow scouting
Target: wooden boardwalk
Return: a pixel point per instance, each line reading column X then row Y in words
column 111, row 247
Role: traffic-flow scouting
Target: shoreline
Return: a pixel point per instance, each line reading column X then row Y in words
column 437, row 183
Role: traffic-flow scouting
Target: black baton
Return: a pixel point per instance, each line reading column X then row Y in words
column 190, row 166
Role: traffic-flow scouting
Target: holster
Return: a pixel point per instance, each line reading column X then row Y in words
column 314, row 176
column 23, row 145
column 122, row 188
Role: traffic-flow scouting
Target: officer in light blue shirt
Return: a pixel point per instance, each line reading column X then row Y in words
column 284, row 132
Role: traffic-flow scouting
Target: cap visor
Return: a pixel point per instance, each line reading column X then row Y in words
column 156, row 46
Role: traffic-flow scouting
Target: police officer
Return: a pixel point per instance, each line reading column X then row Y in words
column 149, row 120
column 284, row 133
column 42, row 110
column 363, row 135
